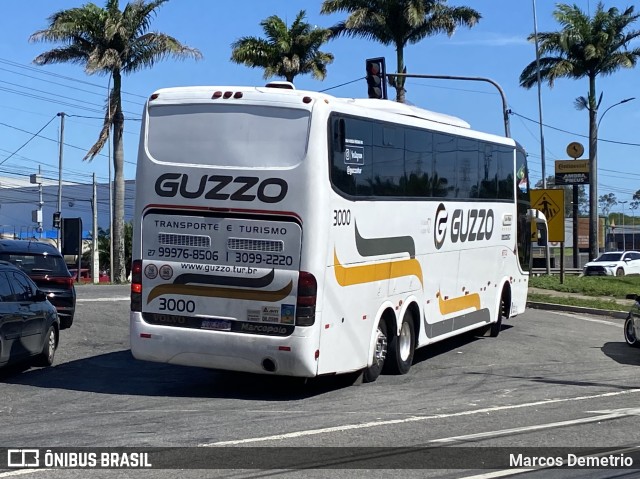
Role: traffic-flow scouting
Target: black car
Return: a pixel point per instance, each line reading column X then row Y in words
column 44, row 264
column 29, row 324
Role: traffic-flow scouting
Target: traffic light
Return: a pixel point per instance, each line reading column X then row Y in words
column 376, row 78
column 56, row 219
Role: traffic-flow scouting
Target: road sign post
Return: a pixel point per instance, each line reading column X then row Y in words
column 551, row 203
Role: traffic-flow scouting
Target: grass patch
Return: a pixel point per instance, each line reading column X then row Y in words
column 614, row 286
column 609, row 305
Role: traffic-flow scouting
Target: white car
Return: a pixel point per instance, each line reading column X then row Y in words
column 614, row 263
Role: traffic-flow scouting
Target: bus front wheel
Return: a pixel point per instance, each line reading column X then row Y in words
column 402, row 347
column 380, row 350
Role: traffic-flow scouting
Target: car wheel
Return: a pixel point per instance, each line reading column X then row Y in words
column 371, row 373
column 45, row 358
column 402, row 347
column 630, row 333
column 619, row 272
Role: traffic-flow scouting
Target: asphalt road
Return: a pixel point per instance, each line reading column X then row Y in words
column 551, row 379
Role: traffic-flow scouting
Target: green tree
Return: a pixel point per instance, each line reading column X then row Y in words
column 285, row 52
column 398, row 23
column 104, row 248
column 586, row 47
column 110, row 41
column 607, row 202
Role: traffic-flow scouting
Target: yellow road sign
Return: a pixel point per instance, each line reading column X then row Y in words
column 551, row 203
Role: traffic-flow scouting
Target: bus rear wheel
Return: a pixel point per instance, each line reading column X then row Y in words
column 380, row 350
column 402, row 347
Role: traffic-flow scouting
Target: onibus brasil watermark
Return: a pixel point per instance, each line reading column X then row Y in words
column 36, row 458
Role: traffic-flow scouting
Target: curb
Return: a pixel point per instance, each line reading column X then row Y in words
column 577, row 309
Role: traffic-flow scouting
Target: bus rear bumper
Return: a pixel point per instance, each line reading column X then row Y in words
column 285, row 356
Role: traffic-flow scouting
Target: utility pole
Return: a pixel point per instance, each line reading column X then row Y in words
column 542, row 155
column 36, row 215
column 96, row 253
column 61, row 115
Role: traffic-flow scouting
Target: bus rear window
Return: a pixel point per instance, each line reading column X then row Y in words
column 227, row 135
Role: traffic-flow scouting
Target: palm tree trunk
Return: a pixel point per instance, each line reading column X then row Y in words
column 400, row 91
column 593, row 171
column 117, row 235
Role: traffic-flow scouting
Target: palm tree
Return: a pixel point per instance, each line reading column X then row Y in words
column 286, row 52
column 586, row 47
column 398, row 23
column 110, row 41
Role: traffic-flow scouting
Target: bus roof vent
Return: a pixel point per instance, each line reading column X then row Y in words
column 285, row 85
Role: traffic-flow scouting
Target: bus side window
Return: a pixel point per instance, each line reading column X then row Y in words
column 340, row 133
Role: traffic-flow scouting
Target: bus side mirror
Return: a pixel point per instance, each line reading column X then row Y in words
column 542, row 236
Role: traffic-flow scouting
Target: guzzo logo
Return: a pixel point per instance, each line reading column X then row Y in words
column 221, row 187
column 475, row 224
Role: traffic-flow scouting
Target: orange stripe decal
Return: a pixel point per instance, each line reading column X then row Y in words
column 453, row 305
column 348, row 276
column 213, row 292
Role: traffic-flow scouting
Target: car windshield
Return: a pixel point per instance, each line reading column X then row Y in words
column 610, row 257
column 37, row 264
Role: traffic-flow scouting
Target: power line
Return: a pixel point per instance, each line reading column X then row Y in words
column 56, row 141
column 50, row 82
column 57, row 75
column 31, row 95
column 575, row 134
column 25, row 143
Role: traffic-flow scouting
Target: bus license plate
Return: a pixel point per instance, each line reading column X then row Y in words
column 216, row 324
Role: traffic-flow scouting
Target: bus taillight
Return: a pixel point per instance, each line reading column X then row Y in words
column 136, row 285
column 306, row 303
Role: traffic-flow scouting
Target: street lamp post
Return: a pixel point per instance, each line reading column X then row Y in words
column 593, row 187
column 633, row 206
column 624, row 238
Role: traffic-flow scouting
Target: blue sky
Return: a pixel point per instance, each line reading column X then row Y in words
column 31, row 96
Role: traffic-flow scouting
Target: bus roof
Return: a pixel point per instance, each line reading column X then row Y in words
column 203, row 93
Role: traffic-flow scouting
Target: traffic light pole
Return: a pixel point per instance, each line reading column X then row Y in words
column 505, row 108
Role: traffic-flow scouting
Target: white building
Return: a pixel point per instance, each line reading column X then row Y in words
column 20, row 202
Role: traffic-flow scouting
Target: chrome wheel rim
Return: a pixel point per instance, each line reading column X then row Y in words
column 51, row 345
column 404, row 341
column 381, row 348
column 630, row 332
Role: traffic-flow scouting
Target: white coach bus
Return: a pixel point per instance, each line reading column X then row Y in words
column 290, row 232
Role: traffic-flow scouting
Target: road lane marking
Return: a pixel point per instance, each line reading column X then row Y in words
column 603, row 416
column 504, row 473
column 591, row 320
column 391, row 422
column 102, row 300
column 21, row 472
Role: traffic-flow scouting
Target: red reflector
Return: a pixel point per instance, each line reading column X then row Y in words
column 306, row 99
column 136, row 288
column 317, row 353
column 216, row 95
column 145, row 335
column 227, row 94
column 237, row 94
column 154, row 96
column 284, row 348
column 326, row 326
